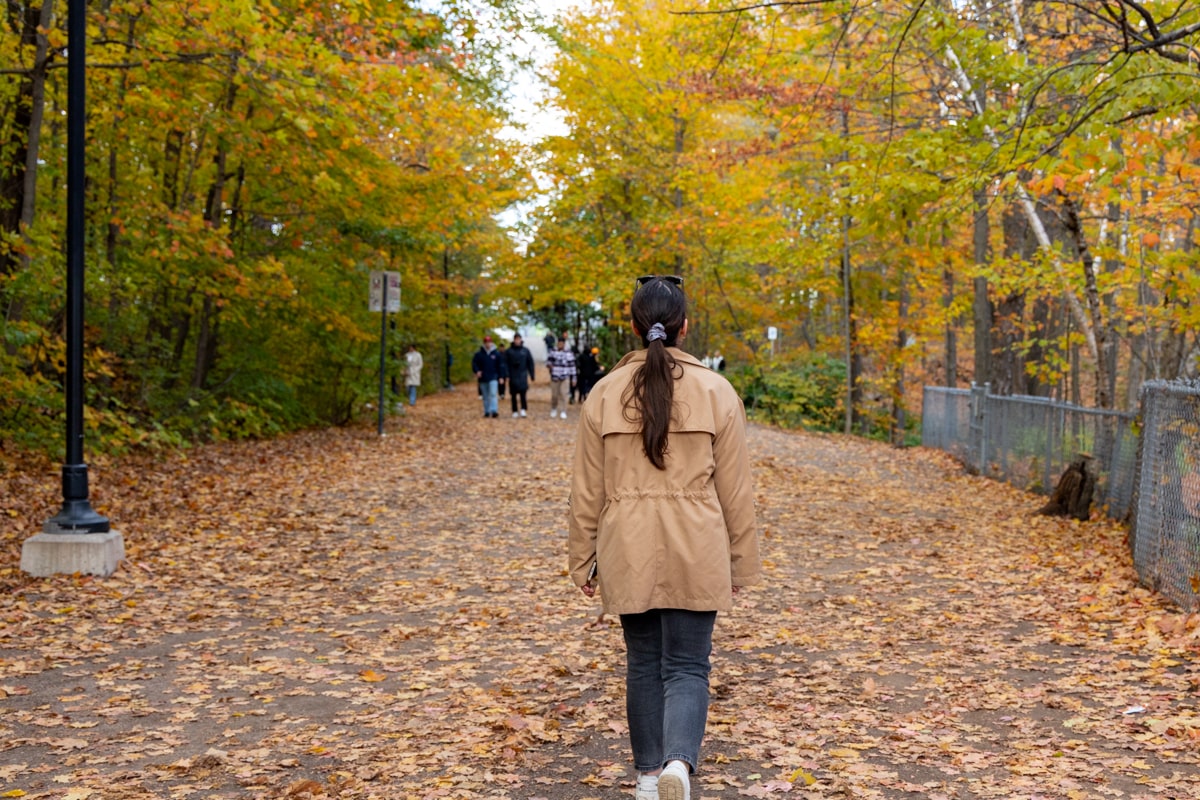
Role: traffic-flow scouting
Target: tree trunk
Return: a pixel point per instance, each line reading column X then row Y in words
column 172, row 162
column 983, row 311
column 18, row 194
column 214, row 214
column 37, row 113
column 680, row 129
column 1008, row 368
column 179, row 329
column 1103, row 338
column 113, row 229
column 1174, row 347
column 1072, row 496
column 206, row 344
column 899, row 416
column 951, row 324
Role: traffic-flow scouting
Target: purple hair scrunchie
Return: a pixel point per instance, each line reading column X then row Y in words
column 657, row 331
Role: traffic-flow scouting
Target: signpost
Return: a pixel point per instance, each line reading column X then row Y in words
column 385, row 292
column 772, row 335
column 385, row 297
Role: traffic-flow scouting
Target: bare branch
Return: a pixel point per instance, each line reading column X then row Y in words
column 728, row 42
column 753, row 7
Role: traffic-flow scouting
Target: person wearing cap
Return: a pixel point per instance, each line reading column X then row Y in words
column 489, row 368
column 519, row 362
column 589, row 370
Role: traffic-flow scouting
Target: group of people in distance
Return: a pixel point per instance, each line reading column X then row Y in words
column 494, row 367
column 498, row 369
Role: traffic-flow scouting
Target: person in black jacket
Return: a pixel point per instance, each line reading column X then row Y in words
column 519, row 361
column 489, row 368
column 589, row 371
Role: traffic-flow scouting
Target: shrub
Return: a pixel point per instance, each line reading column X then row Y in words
column 806, row 391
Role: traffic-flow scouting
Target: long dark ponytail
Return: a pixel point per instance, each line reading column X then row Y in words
column 659, row 310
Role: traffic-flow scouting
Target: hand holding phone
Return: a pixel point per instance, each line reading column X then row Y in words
column 589, row 588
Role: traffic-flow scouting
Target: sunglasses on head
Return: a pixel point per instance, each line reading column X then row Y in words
column 675, row 279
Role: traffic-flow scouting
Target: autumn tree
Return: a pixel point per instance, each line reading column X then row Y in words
column 248, row 166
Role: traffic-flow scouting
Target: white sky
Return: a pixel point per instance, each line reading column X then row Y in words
column 527, row 94
column 528, row 91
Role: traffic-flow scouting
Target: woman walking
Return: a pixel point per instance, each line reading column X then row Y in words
column 662, row 524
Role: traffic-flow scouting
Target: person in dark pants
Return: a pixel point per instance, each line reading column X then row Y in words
column 520, row 374
column 573, row 391
column 503, row 382
column 589, row 369
column 560, row 363
column 665, row 534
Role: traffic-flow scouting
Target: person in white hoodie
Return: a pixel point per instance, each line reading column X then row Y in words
column 413, row 363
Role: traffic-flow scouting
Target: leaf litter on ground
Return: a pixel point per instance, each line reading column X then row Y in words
column 335, row 614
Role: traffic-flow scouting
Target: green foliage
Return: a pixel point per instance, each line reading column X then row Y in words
column 30, row 413
column 240, row 189
column 807, row 391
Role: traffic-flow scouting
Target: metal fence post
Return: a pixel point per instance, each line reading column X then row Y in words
column 977, row 453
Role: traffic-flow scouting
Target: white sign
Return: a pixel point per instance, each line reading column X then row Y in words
column 772, row 333
column 393, row 291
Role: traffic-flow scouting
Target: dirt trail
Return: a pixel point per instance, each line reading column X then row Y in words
column 338, row 615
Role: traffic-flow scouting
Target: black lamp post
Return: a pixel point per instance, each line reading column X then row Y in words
column 77, row 515
column 446, row 308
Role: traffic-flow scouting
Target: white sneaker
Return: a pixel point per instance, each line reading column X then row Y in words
column 553, row 414
column 523, row 412
column 673, row 782
column 647, row 787
column 564, row 415
column 515, row 415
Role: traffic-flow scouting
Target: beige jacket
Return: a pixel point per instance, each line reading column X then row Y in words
column 674, row 538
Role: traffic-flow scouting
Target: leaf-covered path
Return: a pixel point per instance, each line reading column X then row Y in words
column 338, row 615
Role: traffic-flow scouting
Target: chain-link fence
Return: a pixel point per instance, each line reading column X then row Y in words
column 1166, row 525
column 1030, row 441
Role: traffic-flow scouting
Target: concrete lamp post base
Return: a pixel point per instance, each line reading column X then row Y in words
column 46, row 554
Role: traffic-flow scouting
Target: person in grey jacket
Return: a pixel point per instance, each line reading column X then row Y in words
column 520, row 373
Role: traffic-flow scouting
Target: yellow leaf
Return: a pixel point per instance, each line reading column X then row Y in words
column 371, row 676
column 801, row 775
column 13, row 793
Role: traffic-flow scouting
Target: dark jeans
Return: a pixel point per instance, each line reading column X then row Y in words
column 514, row 394
column 666, row 684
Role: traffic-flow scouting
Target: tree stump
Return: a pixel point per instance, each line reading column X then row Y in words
column 1072, row 496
